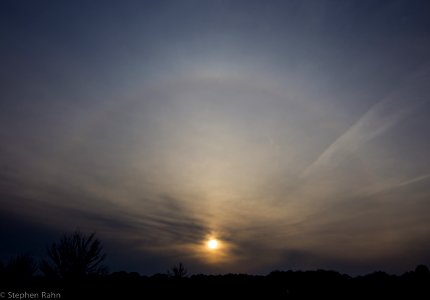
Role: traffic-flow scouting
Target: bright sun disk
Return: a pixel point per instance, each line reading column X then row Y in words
column 212, row 244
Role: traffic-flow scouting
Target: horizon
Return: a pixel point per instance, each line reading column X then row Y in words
column 291, row 134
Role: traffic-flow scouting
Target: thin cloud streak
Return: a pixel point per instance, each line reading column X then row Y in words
column 380, row 118
column 414, row 180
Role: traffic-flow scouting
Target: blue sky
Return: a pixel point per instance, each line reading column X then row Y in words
column 294, row 132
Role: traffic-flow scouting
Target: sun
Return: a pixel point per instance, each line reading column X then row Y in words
column 212, row 244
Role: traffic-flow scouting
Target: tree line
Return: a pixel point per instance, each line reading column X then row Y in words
column 74, row 269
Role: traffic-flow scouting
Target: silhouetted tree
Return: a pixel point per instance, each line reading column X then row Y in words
column 21, row 266
column 75, row 256
column 178, row 271
column 422, row 270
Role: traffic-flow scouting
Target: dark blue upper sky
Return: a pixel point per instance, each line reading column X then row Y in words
column 293, row 132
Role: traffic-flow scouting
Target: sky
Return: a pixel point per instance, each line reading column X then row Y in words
column 295, row 133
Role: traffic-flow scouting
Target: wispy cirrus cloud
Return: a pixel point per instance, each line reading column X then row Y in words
column 380, row 118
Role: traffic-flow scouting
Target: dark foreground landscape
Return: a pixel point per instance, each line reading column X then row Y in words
column 276, row 285
column 74, row 269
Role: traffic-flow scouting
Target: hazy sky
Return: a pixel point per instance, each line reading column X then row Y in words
column 294, row 132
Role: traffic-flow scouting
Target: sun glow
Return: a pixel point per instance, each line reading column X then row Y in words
column 212, row 244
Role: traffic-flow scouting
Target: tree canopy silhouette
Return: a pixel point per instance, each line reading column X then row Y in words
column 21, row 266
column 76, row 255
column 178, row 271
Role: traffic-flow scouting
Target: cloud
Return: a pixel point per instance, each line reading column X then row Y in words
column 380, row 118
column 413, row 180
column 200, row 128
